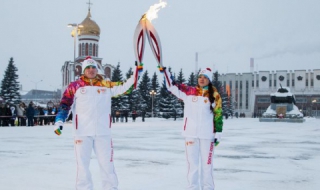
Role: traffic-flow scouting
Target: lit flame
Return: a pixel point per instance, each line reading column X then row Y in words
column 152, row 13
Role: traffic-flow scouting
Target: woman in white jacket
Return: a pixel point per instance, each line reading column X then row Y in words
column 202, row 127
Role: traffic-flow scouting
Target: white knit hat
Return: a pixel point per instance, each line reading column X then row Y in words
column 88, row 62
column 207, row 73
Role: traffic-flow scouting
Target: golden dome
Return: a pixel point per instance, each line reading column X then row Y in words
column 89, row 27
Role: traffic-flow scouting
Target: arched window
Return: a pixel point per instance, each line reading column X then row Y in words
column 97, row 50
column 87, row 47
column 82, row 49
column 107, row 72
column 94, row 49
column 79, row 50
column 90, row 49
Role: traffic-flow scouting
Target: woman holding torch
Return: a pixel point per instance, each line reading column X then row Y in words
column 202, row 127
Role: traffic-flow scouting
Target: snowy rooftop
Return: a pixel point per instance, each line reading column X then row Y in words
column 150, row 155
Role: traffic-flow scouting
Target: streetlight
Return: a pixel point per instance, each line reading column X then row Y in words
column 152, row 93
column 36, row 83
column 74, row 34
column 314, row 102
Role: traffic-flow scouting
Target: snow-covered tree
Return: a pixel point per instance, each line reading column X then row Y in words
column 168, row 103
column 117, row 77
column 10, row 85
column 127, row 98
column 144, row 88
column 192, row 81
column 156, row 87
column 180, row 79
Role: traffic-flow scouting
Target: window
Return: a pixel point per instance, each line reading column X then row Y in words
column 247, row 94
column 83, row 49
column 90, row 49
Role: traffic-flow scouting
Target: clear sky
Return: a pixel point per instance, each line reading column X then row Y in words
column 278, row 34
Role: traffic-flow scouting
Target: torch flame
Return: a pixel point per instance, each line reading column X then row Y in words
column 152, row 13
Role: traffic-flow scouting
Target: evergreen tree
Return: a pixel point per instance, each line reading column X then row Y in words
column 216, row 83
column 10, row 85
column 144, row 93
column 180, row 79
column 117, row 77
column 168, row 102
column 178, row 104
column 156, row 87
column 226, row 103
column 192, row 81
column 126, row 100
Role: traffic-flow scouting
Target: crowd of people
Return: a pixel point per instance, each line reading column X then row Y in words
column 122, row 115
column 23, row 115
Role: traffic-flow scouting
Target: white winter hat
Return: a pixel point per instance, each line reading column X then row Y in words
column 88, row 62
column 206, row 72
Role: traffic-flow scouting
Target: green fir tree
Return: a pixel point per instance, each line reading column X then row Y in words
column 10, row 85
column 117, row 77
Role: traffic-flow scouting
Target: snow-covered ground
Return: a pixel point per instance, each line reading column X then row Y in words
column 150, row 156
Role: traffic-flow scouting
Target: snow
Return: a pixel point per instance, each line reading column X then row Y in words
column 150, row 156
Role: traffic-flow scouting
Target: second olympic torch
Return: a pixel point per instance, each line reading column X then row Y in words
column 145, row 30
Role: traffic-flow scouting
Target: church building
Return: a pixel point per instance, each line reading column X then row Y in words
column 86, row 43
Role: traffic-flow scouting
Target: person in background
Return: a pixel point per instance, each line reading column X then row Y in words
column 41, row 116
column 143, row 115
column 125, row 113
column 134, row 115
column 21, row 113
column 30, row 114
column 89, row 98
column 36, row 114
column 202, row 126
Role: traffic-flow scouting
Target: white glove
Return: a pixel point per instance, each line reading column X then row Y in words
column 58, row 126
column 217, row 138
column 213, row 105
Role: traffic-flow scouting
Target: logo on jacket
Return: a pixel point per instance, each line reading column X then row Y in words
column 189, row 143
column 83, row 90
column 101, row 91
column 195, row 98
column 77, row 141
column 206, row 100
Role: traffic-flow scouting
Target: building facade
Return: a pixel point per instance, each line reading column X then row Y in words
column 250, row 92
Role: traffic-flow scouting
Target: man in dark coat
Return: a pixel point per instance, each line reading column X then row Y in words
column 30, row 114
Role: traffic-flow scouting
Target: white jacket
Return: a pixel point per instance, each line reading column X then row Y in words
column 198, row 119
column 91, row 107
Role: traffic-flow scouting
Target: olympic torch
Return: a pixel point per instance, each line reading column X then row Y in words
column 145, row 30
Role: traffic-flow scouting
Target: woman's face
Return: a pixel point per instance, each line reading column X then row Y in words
column 203, row 81
column 91, row 72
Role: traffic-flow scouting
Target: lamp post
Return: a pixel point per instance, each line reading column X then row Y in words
column 36, row 83
column 152, row 93
column 74, row 34
column 314, row 102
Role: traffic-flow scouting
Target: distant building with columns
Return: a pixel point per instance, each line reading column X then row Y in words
column 251, row 91
column 86, row 39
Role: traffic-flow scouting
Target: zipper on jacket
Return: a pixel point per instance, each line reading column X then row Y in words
column 109, row 121
column 185, row 124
